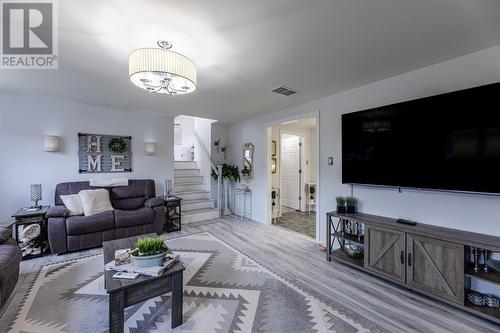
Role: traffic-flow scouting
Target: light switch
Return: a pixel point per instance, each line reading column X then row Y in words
column 330, row 160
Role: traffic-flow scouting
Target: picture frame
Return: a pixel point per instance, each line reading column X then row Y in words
column 273, row 148
column 273, row 165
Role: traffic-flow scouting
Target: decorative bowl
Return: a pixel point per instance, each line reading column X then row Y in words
column 353, row 250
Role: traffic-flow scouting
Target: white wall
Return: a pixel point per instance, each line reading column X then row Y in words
column 461, row 211
column 24, row 119
column 202, row 151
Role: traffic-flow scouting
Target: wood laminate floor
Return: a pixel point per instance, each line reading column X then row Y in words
column 297, row 258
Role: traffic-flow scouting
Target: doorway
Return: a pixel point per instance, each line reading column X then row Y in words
column 293, row 175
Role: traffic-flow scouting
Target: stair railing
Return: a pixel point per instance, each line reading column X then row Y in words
column 216, row 169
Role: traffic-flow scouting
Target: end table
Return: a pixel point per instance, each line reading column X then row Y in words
column 173, row 213
column 25, row 218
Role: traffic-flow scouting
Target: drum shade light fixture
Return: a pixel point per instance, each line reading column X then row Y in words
column 162, row 71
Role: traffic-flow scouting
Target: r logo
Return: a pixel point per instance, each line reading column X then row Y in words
column 27, row 28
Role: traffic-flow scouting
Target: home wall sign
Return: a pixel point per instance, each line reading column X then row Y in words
column 98, row 153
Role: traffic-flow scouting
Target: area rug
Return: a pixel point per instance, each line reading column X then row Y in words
column 225, row 291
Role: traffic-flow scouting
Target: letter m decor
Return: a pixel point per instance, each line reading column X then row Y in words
column 98, row 153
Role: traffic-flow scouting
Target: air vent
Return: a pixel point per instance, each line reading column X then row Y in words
column 284, row 91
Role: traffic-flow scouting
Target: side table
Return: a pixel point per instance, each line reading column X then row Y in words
column 22, row 219
column 173, row 213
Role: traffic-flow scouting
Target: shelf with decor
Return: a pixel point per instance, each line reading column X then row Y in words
column 420, row 257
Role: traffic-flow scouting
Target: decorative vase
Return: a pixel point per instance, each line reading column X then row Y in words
column 341, row 209
column 350, row 209
column 149, row 261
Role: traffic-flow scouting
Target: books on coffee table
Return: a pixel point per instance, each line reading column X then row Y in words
column 170, row 260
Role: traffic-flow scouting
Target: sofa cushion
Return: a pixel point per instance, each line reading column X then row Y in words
column 4, row 234
column 133, row 195
column 154, row 202
column 10, row 256
column 128, row 204
column 129, row 218
column 77, row 225
column 73, row 203
column 95, row 201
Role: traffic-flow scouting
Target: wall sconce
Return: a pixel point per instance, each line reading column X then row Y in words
column 150, row 148
column 51, row 143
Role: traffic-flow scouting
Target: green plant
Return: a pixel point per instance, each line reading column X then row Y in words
column 340, row 201
column 229, row 172
column 351, row 201
column 148, row 246
column 117, row 145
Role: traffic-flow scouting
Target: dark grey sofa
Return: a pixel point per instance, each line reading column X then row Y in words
column 10, row 257
column 137, row 212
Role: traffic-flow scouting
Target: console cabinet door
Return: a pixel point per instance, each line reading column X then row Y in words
column 436, row 267
column 385, row 252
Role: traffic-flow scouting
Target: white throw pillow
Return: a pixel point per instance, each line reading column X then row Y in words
column 95, row 201
column 73, row 203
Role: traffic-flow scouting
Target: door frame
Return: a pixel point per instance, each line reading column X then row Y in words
column 267, row 128
column 302, row 163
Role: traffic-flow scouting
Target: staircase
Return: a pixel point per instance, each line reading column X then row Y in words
column 189, row 185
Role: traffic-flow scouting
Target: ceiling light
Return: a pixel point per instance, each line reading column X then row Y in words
column 162, row 71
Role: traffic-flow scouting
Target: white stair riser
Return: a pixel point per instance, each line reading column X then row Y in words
column 194, row 196
column 198, row 205
column 186, row 172
column 185, row 165
column 188, row 180
column 187, row 218
column 182, row 188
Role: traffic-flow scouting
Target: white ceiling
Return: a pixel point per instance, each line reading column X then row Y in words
column 245, row 48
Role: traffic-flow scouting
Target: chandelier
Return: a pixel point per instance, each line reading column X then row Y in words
column 162, row 71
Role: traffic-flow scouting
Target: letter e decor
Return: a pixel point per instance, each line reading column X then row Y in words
column 99, row 153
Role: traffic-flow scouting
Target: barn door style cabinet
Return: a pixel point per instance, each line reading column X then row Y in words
column 428, row 259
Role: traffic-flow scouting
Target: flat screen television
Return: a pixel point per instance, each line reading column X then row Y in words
column 446, row 142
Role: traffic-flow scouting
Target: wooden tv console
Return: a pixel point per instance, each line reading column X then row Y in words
column 425, row 258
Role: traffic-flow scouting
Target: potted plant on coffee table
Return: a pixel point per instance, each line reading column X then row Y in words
column 149, row 251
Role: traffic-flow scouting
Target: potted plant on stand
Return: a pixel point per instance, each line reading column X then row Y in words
column 149, row 251
column 230, row 173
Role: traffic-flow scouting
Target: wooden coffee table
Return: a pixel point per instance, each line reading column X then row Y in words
column 124, row 293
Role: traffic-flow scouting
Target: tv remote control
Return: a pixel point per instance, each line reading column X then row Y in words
column 403, row 221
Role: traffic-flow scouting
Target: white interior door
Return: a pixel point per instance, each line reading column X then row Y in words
column 289, row 167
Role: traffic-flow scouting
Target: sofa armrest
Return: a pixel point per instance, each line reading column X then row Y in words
column 154, row 202
column 4, row 234
column 56, row 232
column 58, row 211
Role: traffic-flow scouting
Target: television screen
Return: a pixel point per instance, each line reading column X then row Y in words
column 445, row 142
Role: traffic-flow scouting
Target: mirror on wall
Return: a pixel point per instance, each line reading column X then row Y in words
column 247, row 171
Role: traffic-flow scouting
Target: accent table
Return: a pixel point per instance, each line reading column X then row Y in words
column 124, row 293
column 173, row 213
column 25, row 218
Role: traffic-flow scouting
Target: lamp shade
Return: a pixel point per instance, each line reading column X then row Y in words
column 162, row 71
column 51, row 143
column 150, row 148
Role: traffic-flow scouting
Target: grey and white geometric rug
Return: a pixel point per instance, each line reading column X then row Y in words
column 225, row 291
